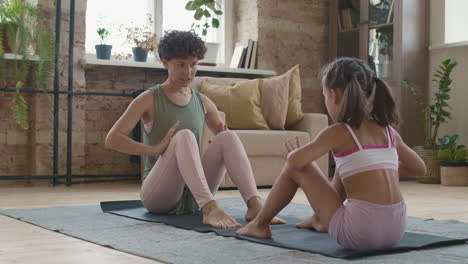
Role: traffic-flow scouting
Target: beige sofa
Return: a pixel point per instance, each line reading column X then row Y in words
column 264, row 147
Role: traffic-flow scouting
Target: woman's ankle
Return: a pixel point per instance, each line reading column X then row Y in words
column 209, row 207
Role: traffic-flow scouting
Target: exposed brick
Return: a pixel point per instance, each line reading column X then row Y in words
column 17, row 137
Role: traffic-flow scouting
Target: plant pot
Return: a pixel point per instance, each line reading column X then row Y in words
column 139, row 54
column 454, row 176
column 103, row 52
column 431, row 159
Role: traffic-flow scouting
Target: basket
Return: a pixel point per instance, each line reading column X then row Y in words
column 431, row 159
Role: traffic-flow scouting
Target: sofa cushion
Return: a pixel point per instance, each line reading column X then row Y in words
column 269, row 143
column 240, row 102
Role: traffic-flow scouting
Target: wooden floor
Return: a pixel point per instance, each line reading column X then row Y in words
column 25, row 243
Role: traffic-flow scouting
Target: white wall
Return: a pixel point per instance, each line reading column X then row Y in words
column 459, row 53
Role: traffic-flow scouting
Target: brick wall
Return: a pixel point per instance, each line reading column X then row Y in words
column 288, row 33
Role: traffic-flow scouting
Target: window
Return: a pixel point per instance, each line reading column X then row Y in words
column 456, row 21
column 166, row 14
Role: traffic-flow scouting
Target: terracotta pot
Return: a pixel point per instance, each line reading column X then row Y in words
column 431, row 160
column 454, row 176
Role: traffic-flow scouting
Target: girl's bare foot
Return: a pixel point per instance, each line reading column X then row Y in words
column 215, row 216
column 254, row 230
column 312, row 222
column 254, row 206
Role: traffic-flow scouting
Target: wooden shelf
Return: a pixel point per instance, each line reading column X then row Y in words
column 90, row 62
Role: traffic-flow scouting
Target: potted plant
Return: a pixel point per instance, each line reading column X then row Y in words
column 144, row 39
column 34, row 49
column 103, row 51
column 453, row 162
column 205, row 12
column 435, row 114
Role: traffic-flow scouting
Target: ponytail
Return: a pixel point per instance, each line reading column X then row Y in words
column 384, row 111
column 353, row 107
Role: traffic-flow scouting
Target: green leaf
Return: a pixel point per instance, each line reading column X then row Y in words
column 444, row 155
column 215, row 22
column 207, row 13
column 218, row 12
column 211, row 5
column 191, row 5
column 198, row 14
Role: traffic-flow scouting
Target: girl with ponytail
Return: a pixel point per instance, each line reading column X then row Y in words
column 364, row 195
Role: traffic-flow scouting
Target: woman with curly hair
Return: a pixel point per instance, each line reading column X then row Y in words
column 177, row 178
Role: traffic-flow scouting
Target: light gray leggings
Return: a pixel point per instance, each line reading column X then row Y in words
column 181, row 164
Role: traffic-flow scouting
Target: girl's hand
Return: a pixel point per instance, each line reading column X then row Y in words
column 290, row 147
column 220, row 128
column 162, row 146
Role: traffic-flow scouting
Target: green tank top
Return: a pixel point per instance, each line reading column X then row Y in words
column 166, row 113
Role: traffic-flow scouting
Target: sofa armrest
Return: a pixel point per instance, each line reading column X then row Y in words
column 208, row 135
column 312, row 123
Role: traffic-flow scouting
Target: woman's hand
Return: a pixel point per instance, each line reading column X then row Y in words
column 162, row 146
column 290, row 147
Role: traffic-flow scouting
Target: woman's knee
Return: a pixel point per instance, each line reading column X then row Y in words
column 227, row 137
column 226, row 134
column 184, row 135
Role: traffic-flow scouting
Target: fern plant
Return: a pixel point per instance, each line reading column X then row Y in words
column 33, row 46
column 439, row 111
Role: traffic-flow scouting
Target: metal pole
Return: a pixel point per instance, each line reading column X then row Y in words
column 70, row 89
column 58, row 15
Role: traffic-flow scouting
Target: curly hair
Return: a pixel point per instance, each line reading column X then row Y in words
column 181, row 44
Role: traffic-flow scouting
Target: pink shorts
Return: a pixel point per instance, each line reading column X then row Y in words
column 359, row 224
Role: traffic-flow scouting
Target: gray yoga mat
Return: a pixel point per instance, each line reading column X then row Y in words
column 285, row 236
column 169, row 244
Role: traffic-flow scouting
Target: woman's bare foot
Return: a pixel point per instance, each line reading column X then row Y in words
column 314, row 223
column 254, row 230
column 254, row 206
column 215, row 216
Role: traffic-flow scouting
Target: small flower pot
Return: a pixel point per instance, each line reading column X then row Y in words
column 103, row 52
column 454, row 175
column 140, row 54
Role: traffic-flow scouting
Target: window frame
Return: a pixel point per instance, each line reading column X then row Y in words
column 224, row 33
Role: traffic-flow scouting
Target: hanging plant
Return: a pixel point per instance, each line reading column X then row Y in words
column 205, row 14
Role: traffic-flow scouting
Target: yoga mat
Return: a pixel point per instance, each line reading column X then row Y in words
column 285, row 236
column 166, row 243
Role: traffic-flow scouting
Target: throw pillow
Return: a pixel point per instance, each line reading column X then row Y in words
column 295, row 113
column 240, row 101
column 274, row 100
column 281, row 99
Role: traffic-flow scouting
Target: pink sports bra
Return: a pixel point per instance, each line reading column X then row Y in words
column 366, row 158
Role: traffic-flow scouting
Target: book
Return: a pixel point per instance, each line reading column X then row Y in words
column 347, row 20
column 239, row 50
column 237, row 56
column 248, row 54
column 253, row 58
